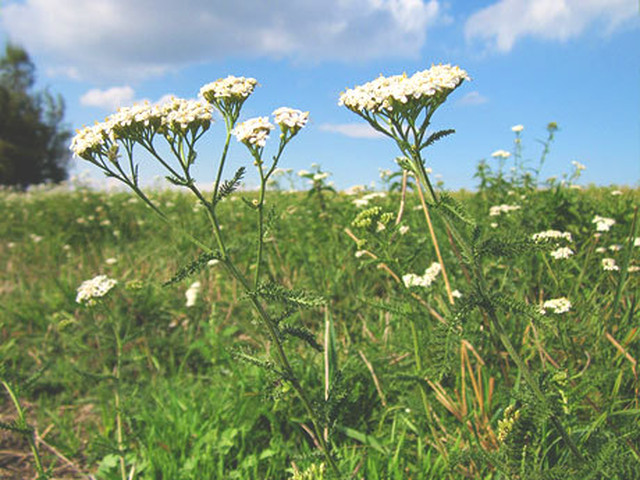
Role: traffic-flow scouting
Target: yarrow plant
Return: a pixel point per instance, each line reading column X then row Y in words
column 402, row 107
column 557, row 305
column 90, row 291
column 179, row 124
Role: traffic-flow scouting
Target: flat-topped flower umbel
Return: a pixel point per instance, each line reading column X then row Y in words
column 385, row 94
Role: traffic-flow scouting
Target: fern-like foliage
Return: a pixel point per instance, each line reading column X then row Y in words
column 303, row 334
column 298, row 298
column 253, row 360
column 192, row 268
column 434, row 137
column 496, row 246
column 454, row 210
column 229, row 186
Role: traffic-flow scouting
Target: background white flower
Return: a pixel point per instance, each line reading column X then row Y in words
column 91, row 290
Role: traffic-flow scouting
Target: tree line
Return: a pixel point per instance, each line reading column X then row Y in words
column 34, row 139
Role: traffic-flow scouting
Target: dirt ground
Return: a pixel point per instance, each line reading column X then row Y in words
column 16, row 459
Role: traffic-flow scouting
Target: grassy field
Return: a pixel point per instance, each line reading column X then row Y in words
column 406, row 384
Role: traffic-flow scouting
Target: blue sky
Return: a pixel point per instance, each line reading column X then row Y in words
column 574, row 62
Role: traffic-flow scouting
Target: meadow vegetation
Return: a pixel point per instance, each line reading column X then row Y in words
column 408, row 333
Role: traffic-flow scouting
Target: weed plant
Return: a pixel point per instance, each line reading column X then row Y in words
column 395, row 374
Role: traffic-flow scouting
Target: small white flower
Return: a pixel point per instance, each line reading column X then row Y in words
column 320, row 176
column 430, row 274
column 558, row 305
column 615, row 247
column 111, row 261
column 403, row 229
column 517, row 128
column 360, row 253
column 560, row 253
column 636, row 242
column 35, row 238
column 290, row 119
column 603, row 224
column 609, row 264
column 501, row 154
column 231, row 88
column 633, row 268
column 601, row 250
column 616, row 193
column 500, row 209
column 302, row 173
column 254, row 131
column 213, row 262
column 11, row 245
column 192, row 294
column 456, row 294
column 493, row 225
column 578, row 165
column 91, row 290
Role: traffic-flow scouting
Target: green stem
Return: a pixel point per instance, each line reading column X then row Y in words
column 517, row 359
column 423, row 392
column 30, row 437
column 285, row 365
column 223, row 158
column 123, row 468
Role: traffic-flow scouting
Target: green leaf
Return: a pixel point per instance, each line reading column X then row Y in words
column 229, row 186
column 193, row 267
column 299, row 298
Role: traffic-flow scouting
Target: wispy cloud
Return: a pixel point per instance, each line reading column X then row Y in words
column 120, row 39
column 473, row 98
column 505, row 22
column 353, row 130
column 109, row 99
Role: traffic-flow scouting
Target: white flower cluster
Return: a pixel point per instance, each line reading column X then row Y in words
column 500, row 209
column 430, row 274
column 578, row 166
column 552, row 234
column 603, row 224
column 385, row 93
column 192, row 294
column 317, row 177
column 609, row 264
column 90, row 290
column 253, row 132
column 558, row 305
column 290, row 119
column 91, row 140
column 230, row 88
column 361, row 202
column 177, row 114
column 561, row 253
column 501, row 154
column 517, row 128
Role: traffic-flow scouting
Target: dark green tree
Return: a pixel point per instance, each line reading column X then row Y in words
column 33, row 139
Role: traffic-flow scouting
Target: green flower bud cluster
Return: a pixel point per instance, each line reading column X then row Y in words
column 373, row 219
column 511, row 416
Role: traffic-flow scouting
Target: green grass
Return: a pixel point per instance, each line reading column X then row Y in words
column 192, row 410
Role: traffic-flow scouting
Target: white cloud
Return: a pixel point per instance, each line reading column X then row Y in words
column 125, row 40
column 110, row 99
column 473, row 98
column 502, row 24
column 353, row 130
